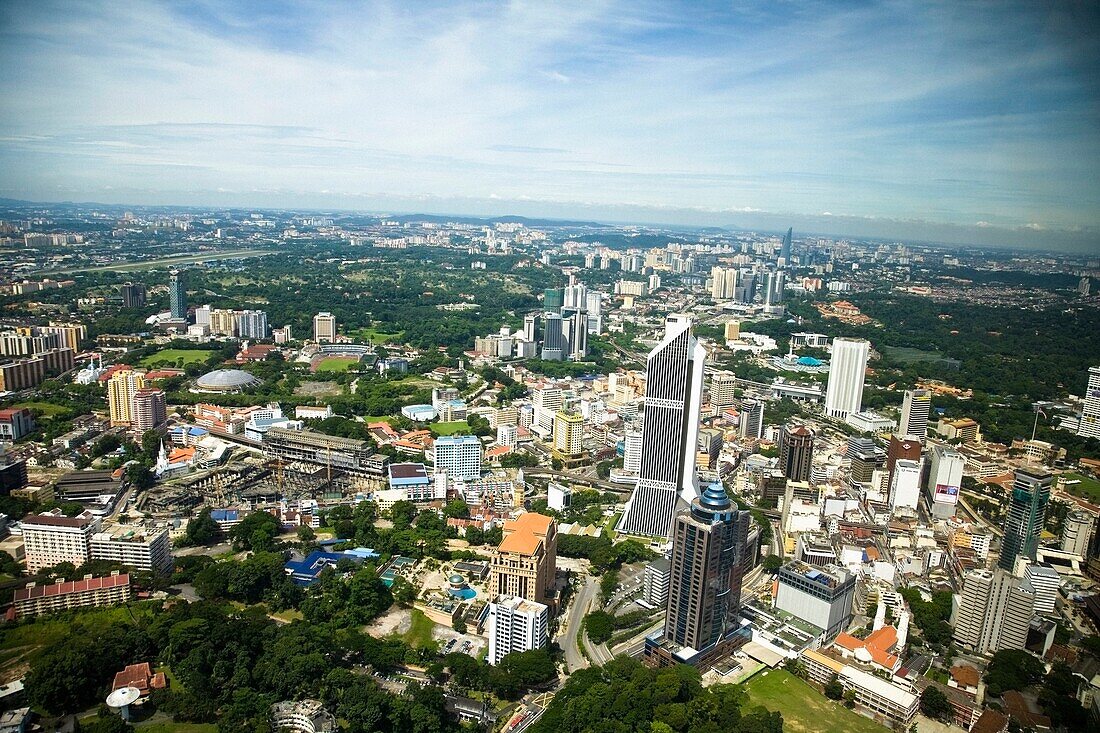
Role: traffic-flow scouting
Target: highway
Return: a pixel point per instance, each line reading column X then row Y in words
column 567, row 638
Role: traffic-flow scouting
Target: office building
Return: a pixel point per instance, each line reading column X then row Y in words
column 878, row 696
column 136, row 547
column 568, row 436
column 553, row 299
column 723, row 283
column 594, row 306
column 53, row 538
column 458, row 456
column 574, row 334
column 530, row 327
column 13, row 475
column 916, row 406
column 324, row 327
column 1089, row 426
column 796, row 452
column 524, row 564
column 673, row 399
column 252, row 324
column 994, row 611
column 15, row 422
column 704, row 591
column 944, row 480
column 723, row 389
column 36, row 600
column 752, row 419
column 632, row 451
column 901, row 448
column 822, row 597
column 656, row 580
column 785, row 248
column 709, row 447
column 149, row 410
column 516, row 625
column 133, row 295
column 1077, row 532
column 905, row 485
column 1027, row 513
column 1044, row 580
column 847, row 370
column 553, row 348
column 177, row 295
column 121, row 388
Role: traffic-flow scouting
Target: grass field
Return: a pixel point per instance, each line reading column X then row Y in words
column 176, row 357
column 449, row 428
column 419, row 635
column 909, row 356
column 170, row 727
column 1089, row 488
column 378, row 337
column 336, row 364
column 804, row 709
column 46, row 408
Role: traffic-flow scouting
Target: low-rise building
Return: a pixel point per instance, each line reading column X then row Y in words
column 34, row 599
column 873, row 693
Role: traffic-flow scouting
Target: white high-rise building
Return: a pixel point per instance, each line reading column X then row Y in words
column 632, row 451
column 916, row 406
column 516, row 625
column 905, row 484
column 252, row 324
column 673, row 400
column 547, row 401
column 1077, row 531
column 723, row 283
column 1045, row 581
column 53, row 538
column 944, row 480
column 752, row 419
column 847, row 370
column 324, row 327
column 1090, row 410
column 458, row 456
column 530, row 323
column 994, row 611
column 594, row 305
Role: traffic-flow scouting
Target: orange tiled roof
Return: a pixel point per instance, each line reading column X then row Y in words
column 524, row 534
column 965, row 675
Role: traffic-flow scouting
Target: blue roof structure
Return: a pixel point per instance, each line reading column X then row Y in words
column 307, row 571
column 225, row 515
column 809, row 361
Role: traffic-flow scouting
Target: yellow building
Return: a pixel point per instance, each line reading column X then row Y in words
column 121, row 388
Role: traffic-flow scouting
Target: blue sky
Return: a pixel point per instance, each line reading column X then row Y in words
column 975, row 122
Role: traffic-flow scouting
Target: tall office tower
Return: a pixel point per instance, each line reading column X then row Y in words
column 901, row 448
column 1044, row 580
column 553, row 299
column 133, row 295
column 944, row 480
column 1084, row 286
column 530, row 326
column 121, row 388
column 1027, row 513
column 752, row 419
column 516, row 625
column 547, row 400
column 177, row 295
column 704, row 590
column 525, row 562
column 915, row 408
column 594, row 306
column 785, row 248
column 552, row 342
column 458, row 456
column 574, row 334
column 673, row 399
column 994, row 611
column 774, row 284
column 568, row 434
column 1090, row 409
column 149, row 410
column 1077, row 532
column 709, row 447
column 252, row 324
column 324, row 327
column 905, row 484
column 723, row 388
column 796, row 452
column 632, row 451
column 847, row 369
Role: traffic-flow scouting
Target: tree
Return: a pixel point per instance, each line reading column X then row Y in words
column 475, row 535
column 457, row 508
column 599, row 627
column 934, row 703
column 306, row 535
column 833, row 689
column 201, row 529
column 402, row 514
column 1012, row 669
column 772, row 563
column 404, row 593
column 255, row 532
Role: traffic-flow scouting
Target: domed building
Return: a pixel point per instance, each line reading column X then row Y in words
column 223, row 381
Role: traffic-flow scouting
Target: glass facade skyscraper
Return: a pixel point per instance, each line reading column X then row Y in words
column 1027, row 513
column 177, row 295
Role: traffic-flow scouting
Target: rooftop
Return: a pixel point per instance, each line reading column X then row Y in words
column 524, row 534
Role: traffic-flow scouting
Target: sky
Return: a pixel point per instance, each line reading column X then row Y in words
column 973, row 122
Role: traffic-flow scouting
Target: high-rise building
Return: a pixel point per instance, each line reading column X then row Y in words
column 516, row 625
column 796, row 452
column 594, row 306
column 901, row 448
column 656, row 580
column 944, row 480
column 525, row 562
column 121, row 388
column 785, row 250
column 458, row 456
column 1027, row 513
column 553, row 299
column 574, row 336
column 916, row 406
column 324, row 327
column 1044, row 580
column 136, row 547
column 752, row 419
column 223, row 322
column 568, row 434
column 723, row 389
column 847, row 370
column 133, row 295
column 822, row 597
column 177, row 295
column 905, row 485
column 632, row 451
column 53, row 538
column 1077, row 532
column 673, row 400
column 552, row 341
column 1089, row 426
column 149, row 410
column 704, row 592
column 994, row 611
column 252, row 324
column 723, row 283
column 530, row 326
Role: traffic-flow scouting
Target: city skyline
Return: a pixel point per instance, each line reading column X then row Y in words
column 920, row 122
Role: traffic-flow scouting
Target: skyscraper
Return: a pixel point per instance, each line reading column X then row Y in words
column 552, row 343
column 553, row 299
column 177, row 295
column 530, row 325
column 673, row 398
column 121, row 388
column 752, row 419
column 796, row 452
column 994, row 612
column 516, row 625
column 1027, row 512
column 847, row 369
column 324, row 327
column 148, row 410
column 785, row 249
column 133, row 295
column 704, row 594
column 915, row 408
column 574, row 333
column 944, row 480
column 1090, row 410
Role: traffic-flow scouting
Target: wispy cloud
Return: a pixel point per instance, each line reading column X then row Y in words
column 894, row 110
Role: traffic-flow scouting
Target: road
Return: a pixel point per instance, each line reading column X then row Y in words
column 568, row 633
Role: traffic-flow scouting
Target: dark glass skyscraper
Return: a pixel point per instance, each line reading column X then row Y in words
column 796, row 452
column 177, row 295
column 785, row 249
column 1027, row 513
column 553, row 299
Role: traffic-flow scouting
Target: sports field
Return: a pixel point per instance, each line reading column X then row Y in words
column 804, row 709
column 336, row 364
column 176, row 357
column 1083, row 486
column 449, row 428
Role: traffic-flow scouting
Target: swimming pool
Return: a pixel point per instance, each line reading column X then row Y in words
column 463, row 593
